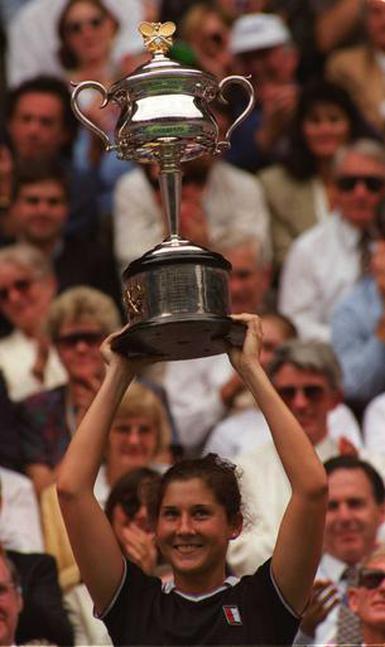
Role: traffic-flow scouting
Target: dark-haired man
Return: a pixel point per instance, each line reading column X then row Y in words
column 39, row 214
column 41, row 126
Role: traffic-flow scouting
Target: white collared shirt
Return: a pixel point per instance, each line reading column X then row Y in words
column 322, row 264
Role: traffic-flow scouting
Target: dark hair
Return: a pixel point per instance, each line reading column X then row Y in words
column 353, row 463
column 44, row 84
column 217, row 474
column 131, row 490
column 300, row 161
column 66, row 56
column 27, row 173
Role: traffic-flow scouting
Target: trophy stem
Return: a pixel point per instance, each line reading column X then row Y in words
column 170, row 182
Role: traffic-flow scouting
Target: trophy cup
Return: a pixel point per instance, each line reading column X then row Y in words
column 176, row 294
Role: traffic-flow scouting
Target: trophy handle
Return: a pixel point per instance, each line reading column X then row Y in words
column 94, row 85
column 245, row 83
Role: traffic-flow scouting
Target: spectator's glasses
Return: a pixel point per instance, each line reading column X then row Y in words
column 370, row 578
column 77, row 26
column 22, row 286
column 373, row 183
column 73, row 339
column 312, row 392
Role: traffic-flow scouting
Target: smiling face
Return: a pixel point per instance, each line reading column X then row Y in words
column 369, row 603
column 193, row 532
column 353, row 516
column 40, row 212
column 10, row 606
column 88, row 32
column 133, row 442
column 325, row 128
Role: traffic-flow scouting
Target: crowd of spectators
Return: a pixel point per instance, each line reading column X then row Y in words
column 296, row 205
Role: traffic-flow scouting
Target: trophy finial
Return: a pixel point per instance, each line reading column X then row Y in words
column 157, row 36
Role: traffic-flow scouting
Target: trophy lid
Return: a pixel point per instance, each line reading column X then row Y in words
column 158, row 41
column 173, row 251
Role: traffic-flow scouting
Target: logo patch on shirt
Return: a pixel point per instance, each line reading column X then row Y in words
column 232, row 614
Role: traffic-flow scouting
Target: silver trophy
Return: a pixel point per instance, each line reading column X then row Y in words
column 176, row 294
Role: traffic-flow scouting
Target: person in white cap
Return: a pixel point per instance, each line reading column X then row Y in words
column 263, row 45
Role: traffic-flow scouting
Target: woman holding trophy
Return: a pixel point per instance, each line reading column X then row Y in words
column 196, row 512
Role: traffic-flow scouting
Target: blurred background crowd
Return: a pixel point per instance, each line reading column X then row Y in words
column 296, row 205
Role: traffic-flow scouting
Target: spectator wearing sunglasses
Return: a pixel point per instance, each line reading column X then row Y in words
column 327, row 260
column 358, row 336
column 354, row 517
column 27, row 287
column 367, row 598
column 77, row 322
column 307, row 377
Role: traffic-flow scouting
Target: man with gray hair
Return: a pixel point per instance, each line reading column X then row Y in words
column 325, row 261
column 306, row 374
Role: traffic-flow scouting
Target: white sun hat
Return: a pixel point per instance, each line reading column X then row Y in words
column 258, row 31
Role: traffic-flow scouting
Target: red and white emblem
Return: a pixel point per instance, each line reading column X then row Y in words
column 232, row 614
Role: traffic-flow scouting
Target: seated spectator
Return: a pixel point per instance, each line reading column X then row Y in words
column 245, row 428
column 366, row 598
column 360, row 69
column 262, row 44
column 126, row 510
column 42, row 617
column 39, row 215
column 41, row 126
column 325, row 261
column 306, row 375
column 205, row 28
column 87, row 30
column 358, row 335
column 300, row 191
column 202, row 391
column 33, row 39
column 218, row 200
column 27, row 286
column 77, row 322
column 139, row 437
column 355, row 513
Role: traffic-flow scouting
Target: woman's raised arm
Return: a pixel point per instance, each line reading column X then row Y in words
column 299, row 543
column 93, row 542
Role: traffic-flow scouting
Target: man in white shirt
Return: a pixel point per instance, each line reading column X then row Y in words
column 325, row 261
column 245, row 430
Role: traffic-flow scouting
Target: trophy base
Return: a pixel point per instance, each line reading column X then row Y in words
column 180, row 337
